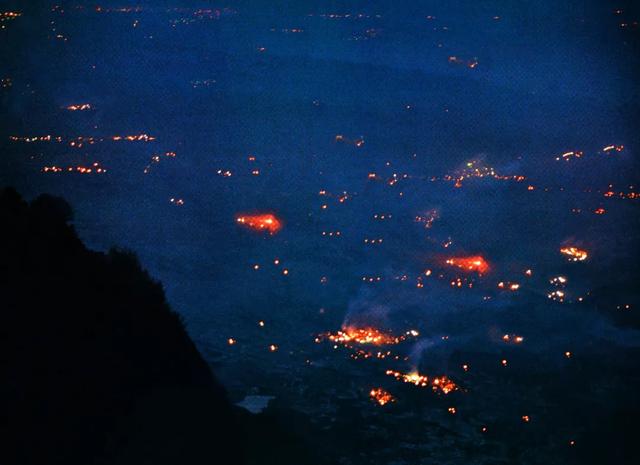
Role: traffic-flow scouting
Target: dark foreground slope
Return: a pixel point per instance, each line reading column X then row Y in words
column 95, row 366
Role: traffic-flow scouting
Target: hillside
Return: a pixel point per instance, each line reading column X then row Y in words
column 96, row 367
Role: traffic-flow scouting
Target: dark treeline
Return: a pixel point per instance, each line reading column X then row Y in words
column 95, row 366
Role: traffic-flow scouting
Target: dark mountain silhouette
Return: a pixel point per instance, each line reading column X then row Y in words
column 95, row 366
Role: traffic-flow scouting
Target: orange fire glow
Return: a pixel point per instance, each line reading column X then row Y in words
column 266, row 222
column 473, row 263
column 574, row 254
column 79, row 107
column 381, row 396
column 512, row 339
column 438, row 383
column 366, row 336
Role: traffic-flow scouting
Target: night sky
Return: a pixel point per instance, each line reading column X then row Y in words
column 428, row 163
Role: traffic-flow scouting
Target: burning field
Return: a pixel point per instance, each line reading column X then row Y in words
column 264, row 222
column 414, row 226
column 474, row 263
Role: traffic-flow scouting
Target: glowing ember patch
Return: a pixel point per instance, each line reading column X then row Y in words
column 474, row 263
column 381, row 396
column 508, row 286
column 574, row 254
column 567, row 156
column 95, row 168
column 557, row 295
column 265, row 222
column 477, row 170
column 437, row 384
column 134, row 137
column 367, row 336
column 79, row 107
column 512, row 339
column 443, row 384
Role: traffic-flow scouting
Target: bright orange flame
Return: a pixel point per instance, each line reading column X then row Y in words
column 265, row 222
column 473, row 263
column 79, row 107
column 438, row 383
column 367, row 336
column 381, row 396
column 512, row 338
column 574, row 254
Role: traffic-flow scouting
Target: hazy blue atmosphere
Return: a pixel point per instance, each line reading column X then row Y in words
column 393, row 141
